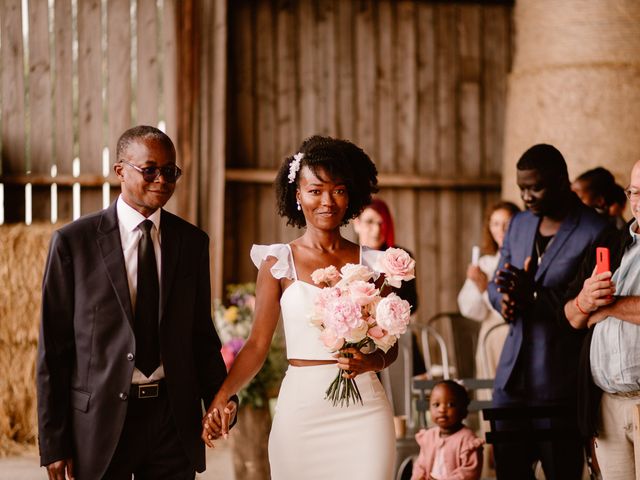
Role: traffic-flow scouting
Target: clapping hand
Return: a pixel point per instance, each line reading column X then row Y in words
column 517, row 288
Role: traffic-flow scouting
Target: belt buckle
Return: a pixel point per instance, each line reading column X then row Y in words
column 149, row 390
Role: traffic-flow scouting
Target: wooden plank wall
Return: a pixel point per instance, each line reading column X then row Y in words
column 60, row 102
column 419, row 85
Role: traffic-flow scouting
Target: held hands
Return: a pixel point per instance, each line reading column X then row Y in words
column 355, row 362
column 478, row 277
column 216, row 421
column 517, row 287
column 597, row 292
column 56, row 470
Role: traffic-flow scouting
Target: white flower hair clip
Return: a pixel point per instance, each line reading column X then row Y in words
column 294, row 166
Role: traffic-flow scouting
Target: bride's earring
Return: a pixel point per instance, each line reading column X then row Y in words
column 298, row 203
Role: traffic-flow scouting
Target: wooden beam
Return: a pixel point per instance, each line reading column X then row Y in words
column 218, row 129
column 85, row 180
column 385, row 180
column 267, row 176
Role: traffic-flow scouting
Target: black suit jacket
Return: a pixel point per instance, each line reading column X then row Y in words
column 84, row 366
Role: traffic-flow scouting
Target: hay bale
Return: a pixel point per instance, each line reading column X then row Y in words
column 22, row 260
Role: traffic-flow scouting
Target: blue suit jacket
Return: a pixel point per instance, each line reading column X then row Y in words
column 540, row 355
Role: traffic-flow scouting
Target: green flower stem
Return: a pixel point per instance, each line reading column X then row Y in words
column 343, row 391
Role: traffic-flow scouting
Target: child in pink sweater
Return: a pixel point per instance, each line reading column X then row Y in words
column 449, row 450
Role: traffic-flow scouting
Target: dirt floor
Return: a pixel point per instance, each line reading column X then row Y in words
column 219, row 466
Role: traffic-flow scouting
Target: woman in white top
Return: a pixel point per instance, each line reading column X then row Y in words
column 323, row 186
column 473, row 300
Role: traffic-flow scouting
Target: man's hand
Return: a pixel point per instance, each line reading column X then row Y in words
column 508, row 310
column 216, row 421
column 57, row 470
column 597, row 291
column 517, row 288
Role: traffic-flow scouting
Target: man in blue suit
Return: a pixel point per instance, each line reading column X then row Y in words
column 540, row 255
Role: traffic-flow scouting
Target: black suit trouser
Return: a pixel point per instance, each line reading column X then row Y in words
column 149, row 447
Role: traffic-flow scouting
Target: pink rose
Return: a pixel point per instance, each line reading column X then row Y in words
column 363, row 293
column 228, row 356
column 353, row 272
column 383, row 340
column 397, row 266
column 331, row 340
column 393, row 314
column 342, row 315
column 328, row 275
column 376, row 332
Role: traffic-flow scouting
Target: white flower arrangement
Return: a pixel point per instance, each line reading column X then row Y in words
column 294, row 166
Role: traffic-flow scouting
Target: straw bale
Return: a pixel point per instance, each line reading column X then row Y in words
column 575, row 84
column 549, row 32
column 22, row 258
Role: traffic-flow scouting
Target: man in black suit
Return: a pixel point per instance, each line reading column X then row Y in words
column 127, row 350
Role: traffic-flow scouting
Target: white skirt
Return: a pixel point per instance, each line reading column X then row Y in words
column 312, row 439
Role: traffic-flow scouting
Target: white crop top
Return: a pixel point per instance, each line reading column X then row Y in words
column 302, row 338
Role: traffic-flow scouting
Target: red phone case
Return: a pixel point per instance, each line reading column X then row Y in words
column 602, row 259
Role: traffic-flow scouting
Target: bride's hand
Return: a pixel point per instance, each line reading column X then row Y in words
column 217, row 420
column 357, row 362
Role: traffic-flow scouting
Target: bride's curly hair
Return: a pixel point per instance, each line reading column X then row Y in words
column 340, row 160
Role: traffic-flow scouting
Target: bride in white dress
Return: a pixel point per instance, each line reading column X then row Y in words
column 326, row 184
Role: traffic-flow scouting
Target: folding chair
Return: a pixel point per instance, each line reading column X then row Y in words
column 461, row 349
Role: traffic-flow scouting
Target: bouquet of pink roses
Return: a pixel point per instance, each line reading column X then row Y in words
column 351, row 312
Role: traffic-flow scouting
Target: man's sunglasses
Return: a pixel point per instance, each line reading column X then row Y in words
column 171, row 173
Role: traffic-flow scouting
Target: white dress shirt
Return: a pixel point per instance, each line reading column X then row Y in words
column 129, row 220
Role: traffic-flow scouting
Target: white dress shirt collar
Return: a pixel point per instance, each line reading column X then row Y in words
column 130, row 218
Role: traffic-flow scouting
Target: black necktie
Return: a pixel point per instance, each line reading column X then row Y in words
column 147, row 300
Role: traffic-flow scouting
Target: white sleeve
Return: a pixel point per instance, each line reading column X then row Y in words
column 471, row 302
column 283, row 268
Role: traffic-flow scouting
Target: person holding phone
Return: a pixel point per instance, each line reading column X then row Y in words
column 540, row 256
column 606, row 301
column 473, row 299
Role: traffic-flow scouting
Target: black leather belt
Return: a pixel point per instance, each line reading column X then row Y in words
column 147, row 390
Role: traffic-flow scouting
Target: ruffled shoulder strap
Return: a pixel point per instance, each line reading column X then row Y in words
column 283, row 268
column 371, row 258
